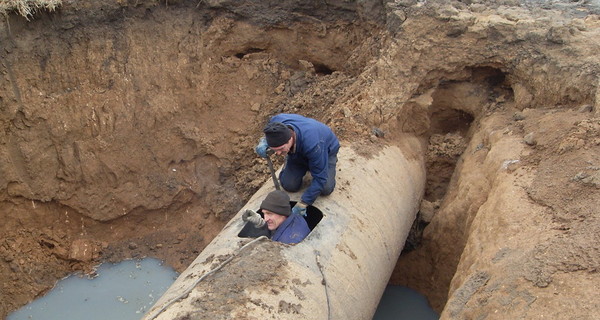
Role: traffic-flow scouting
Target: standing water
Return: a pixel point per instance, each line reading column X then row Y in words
column 400, row 302
column 123, row 291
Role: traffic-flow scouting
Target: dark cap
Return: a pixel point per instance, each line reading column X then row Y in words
column 277, row 134
column 278, row 202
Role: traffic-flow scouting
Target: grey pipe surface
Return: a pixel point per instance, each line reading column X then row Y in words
column 338, row 272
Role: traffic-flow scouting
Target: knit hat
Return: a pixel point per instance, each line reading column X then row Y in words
column 278, row 202
column 277, row 134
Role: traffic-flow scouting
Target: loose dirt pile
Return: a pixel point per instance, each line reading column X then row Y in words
column 129, row 126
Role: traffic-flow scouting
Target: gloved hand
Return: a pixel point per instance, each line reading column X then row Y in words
column 300, row 208
column 262, row 148
column 254, row 217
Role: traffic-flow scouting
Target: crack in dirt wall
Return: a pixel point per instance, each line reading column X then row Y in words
column 455, row 107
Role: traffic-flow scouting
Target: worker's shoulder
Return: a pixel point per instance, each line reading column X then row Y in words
column 282, row 117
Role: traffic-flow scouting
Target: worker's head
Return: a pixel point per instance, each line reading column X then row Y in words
column 276, row 208
column 279, row 137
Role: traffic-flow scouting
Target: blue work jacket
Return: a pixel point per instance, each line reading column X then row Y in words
column 293, row 230
column 315, row 141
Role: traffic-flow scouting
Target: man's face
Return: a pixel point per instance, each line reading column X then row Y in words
column 283, row 150
column 273, row 219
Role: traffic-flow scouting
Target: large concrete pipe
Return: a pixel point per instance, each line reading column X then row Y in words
column 338, row 272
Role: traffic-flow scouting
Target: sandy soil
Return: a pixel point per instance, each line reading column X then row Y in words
column 128, row 130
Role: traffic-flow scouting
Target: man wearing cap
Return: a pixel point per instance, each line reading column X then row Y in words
column 308, row 145
column 284, row 226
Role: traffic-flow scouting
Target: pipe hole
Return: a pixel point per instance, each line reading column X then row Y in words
column 313, row 217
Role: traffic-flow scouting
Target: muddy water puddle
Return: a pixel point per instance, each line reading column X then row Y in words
column 124, row 290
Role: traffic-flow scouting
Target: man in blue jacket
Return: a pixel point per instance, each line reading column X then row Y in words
column 283, row 225
column 308, row 145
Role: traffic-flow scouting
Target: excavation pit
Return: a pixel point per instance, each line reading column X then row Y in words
column 129, row 127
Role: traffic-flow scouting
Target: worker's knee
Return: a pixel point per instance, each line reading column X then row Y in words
column 328, row 188
column 290, row 186
column 291, row 180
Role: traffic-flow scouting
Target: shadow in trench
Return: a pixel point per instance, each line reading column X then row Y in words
column 434, row 246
